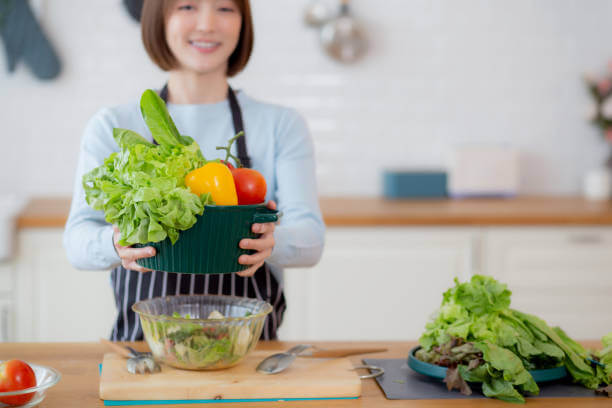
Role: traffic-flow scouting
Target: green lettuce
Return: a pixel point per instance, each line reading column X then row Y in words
column 605, row 355
column 141, row 188
column 512, row 342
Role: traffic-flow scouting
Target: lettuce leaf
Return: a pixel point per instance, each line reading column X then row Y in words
column 605, row 355
column 481, row 295
column 141, row 188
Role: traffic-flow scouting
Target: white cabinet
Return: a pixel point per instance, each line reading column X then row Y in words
column 6, row 320
column 6, row 301
column 53, row 300
column 375, row 283
column 6, row 278
column 563, row 275
column 384, row 283
column 378, row 283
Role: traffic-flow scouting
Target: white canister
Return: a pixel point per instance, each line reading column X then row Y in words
column 597, row 184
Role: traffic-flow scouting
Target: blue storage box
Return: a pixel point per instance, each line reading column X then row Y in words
column 414, row 184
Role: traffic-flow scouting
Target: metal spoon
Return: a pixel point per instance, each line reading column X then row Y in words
column 278, row 362
column 138, row 362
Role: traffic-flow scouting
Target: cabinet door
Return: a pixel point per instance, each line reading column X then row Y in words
column 54, row 301
column 563, row 275
column 375, row 283
column 6, row 320
column 6, row 278
column 6, row 301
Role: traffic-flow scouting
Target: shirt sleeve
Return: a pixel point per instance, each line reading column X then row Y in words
column 300, row 235
column 88, row 238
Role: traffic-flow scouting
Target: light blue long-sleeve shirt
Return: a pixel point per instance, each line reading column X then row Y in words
column 280, row 147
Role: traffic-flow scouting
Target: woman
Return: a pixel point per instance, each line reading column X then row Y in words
column 201, row 43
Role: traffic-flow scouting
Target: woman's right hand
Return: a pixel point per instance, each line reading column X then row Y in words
column 129, row 255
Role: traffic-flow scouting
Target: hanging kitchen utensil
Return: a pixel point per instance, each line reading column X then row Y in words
column 138, row 362
column 24, row 40
column 343, row 38
column 134, row 8
column 316, row 13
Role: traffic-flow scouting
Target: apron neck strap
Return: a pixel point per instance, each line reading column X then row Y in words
column 243, row 155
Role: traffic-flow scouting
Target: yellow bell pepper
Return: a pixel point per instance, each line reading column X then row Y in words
column 216, row 179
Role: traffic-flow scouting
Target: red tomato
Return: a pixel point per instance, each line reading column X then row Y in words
column 228, row 164
column 16, row 375
column 250, row 186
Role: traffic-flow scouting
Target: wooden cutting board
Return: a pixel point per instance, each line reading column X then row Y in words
column 305, row 378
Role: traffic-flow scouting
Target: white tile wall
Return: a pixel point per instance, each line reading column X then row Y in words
column 439, row 73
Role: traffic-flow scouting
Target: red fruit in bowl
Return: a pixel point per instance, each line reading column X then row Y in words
column 16, row 375
column 250, row 186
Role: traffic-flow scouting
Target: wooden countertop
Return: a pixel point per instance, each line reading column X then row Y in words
column 364, row 211
column 78, row 364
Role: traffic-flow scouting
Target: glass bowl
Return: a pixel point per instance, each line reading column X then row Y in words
column 181, row 332
column 46, row 378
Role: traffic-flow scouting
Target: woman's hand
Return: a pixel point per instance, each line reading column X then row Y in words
column 129, row 255
column 263, row 245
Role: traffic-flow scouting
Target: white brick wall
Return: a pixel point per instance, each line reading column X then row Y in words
column 439, row 73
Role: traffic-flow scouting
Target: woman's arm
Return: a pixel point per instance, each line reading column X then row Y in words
column 88, row 238
column 300, row 235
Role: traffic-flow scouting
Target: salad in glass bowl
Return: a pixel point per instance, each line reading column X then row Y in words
column 201, row 332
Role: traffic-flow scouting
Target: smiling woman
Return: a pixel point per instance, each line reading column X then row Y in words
column 183, row 26
column 201, row 43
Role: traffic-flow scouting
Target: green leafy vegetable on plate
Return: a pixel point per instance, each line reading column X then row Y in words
column 502, row 344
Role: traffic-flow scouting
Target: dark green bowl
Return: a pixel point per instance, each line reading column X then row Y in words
column 211, row 245
column 435, row 371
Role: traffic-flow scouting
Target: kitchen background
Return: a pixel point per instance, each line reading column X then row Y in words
column 437, row 74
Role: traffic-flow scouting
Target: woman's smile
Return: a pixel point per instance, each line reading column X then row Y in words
column 206, row 47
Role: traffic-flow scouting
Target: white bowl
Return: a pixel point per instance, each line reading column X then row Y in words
column 46, row 378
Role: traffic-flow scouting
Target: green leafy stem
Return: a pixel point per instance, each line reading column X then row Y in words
column 228, row 153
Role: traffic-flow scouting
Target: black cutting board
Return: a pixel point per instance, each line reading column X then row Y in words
column 401, row 382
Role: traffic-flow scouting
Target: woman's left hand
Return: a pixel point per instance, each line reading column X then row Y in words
column 263, row 245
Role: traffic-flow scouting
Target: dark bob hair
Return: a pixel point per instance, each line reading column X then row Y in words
column 153, row 29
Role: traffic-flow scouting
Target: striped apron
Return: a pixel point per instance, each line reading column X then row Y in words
column 130, row 286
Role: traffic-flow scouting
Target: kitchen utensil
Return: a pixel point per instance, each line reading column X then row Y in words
column 340, row 352
column 435, row 371
column 138, row 362
column 316, row 13
column 343, row 37
column 308, row 378
column 46, row 377
column 280, row 361
column 180, row 333
column 211, row 245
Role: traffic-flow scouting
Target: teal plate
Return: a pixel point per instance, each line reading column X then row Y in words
column 432, row 370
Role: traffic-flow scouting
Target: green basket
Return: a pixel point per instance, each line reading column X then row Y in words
column 211, row 245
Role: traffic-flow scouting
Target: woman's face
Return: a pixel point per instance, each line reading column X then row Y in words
column 202, row 34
